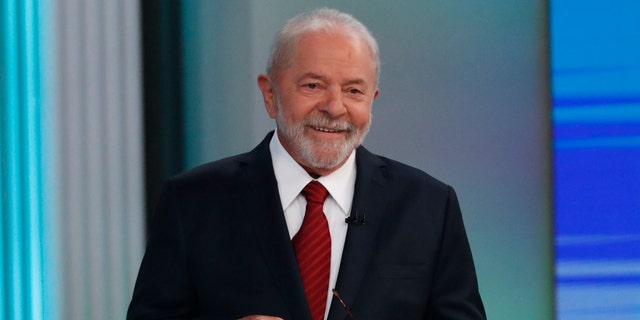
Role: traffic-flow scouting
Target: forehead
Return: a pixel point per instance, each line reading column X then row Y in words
column 335, row 51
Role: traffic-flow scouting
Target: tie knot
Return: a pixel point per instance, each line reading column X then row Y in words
column 315, row 192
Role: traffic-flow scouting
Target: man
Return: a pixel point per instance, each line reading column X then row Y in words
column 253, row 236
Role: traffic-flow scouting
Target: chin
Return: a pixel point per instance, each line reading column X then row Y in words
column 322, row 159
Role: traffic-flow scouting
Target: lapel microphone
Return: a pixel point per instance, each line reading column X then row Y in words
column 355, row 218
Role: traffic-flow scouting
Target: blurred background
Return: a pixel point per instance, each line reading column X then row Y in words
column 103, row 100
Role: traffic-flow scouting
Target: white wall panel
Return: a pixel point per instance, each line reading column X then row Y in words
column 99, row 156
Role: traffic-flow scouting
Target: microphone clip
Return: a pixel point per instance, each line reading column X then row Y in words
column 355, row 218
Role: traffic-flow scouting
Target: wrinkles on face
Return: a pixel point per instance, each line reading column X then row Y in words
column 322, row 101
column 316, row 152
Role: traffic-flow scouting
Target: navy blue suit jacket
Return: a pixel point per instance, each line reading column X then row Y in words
column 219, row 247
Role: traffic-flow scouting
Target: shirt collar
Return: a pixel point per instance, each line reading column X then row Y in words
column 292, row 178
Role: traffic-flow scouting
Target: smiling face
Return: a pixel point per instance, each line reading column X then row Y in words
column 322, row 100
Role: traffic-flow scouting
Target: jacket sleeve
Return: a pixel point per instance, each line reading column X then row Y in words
column 162, row 289
column 455, row 293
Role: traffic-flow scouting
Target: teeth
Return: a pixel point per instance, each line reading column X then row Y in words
column 325, row 130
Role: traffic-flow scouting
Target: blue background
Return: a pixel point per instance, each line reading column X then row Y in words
column 595, row 58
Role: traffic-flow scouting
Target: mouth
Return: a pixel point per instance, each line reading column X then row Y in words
column 327, row 130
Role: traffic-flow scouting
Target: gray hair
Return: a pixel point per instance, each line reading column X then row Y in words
column 324, row 19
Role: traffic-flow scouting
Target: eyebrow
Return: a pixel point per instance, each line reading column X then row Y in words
column 357, row 81
column 312, row 76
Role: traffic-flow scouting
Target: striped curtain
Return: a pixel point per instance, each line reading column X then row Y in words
column 71, row 231
column 23, row 291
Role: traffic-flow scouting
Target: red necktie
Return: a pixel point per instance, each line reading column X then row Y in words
column 312, row 245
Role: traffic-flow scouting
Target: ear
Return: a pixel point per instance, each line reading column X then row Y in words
column 268, row 95
column 375, row 94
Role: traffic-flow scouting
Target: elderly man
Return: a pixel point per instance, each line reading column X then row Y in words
column 309, row 224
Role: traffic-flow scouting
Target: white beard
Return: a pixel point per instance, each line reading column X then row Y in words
column 317, row 153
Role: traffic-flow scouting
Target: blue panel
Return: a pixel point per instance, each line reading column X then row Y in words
column 595, row 54
column 22, row 265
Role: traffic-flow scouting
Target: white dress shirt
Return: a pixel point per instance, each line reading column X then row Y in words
column 292, row 178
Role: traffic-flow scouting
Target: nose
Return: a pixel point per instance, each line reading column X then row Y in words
column 333, row 105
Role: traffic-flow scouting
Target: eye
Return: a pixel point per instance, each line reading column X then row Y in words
column 355, row 91
column 311, row 86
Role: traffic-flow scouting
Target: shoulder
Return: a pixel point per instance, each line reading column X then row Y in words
column 226, row 170
column 401, row 174
column 222, row 177
column 218, row 169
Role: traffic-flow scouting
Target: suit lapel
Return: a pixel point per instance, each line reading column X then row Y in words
column 359, row 246
column 267, row 219
column 263, row 204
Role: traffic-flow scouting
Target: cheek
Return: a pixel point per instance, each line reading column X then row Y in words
column 291, row 115
column 360, row 115
column 296, row 109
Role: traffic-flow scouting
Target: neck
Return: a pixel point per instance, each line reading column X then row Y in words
column 317, row 172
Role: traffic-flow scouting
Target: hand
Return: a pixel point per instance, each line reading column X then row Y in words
column 260, row 318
